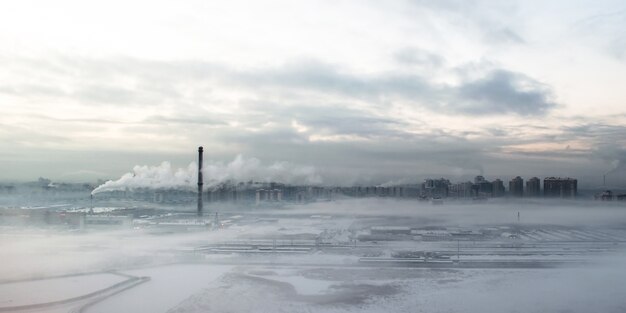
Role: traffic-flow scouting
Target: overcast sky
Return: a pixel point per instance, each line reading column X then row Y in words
column 364, row 91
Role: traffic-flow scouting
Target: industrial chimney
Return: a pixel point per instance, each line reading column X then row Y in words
column 200, row 181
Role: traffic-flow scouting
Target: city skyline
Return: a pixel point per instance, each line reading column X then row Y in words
column 364, row 92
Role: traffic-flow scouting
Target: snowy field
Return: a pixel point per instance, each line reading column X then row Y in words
column 168, row 286
column 308, row 258
column 48, row 290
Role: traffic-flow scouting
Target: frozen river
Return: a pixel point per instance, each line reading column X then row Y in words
column 49, row 290
column 168, row 286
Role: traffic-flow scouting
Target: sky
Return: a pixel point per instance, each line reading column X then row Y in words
column 362, row 91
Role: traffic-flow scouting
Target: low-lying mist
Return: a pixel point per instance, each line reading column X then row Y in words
column 495, row 211
column 280, row 281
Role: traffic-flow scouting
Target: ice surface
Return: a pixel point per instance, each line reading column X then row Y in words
column 302, row 285
column 327, row 275
column 168, row 286
column 49, row 290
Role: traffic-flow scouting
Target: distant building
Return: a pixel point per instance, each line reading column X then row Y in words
column 606, row 195
column 397, row 192
column 482, row 188
column 533, row 187
column 461, row 190
column 436, row 188
column 268, row 195
column 479, row 179
column 498, row 188
column 557, row 187
column 516, row 187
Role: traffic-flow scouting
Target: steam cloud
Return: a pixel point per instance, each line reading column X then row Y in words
column 155, row 177
column 241, row 169
column 614, row 155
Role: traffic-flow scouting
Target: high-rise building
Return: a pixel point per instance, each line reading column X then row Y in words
column 533, row 187
column 435, row 188
column 482, row 187
column 558, row 187
column 516, row 187
column 461, row 190
column 479, row 179
column 498, row 188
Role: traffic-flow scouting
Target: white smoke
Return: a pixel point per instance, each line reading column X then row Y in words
column 239, row 170
column 398, row 182
column 154, row 177
column 242, row 169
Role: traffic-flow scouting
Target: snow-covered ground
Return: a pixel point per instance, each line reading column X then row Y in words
column 411, row 290
column 187, row 275
column 168, row 286
column 49, row 290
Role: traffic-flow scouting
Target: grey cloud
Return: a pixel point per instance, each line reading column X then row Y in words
column 601, row 133
column 614, row 155
column 322, row 77
column 500, row 92
column 504, row 92
column 412, row 55
column 106, row 94
column 606, row 140
column 299, row 91
column 498, row 132
column 311, row 76
column 32, row 90
column 364, row 126
column 504, row 35
column 186, row 119
column 375, row 160
column 28, row 135
column 106, row 81
column 607, row 28
column 565, row 154
column 329, row 119
column 76, row 120
column 493, row 21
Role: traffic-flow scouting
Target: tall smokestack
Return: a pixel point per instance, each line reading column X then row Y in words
column 200, row 181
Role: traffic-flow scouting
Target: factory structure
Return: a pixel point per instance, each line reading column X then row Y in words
column 200, row 181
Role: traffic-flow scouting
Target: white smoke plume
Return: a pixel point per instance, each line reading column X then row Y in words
column 154, row 177
column 240, row 169
column 402, row 181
